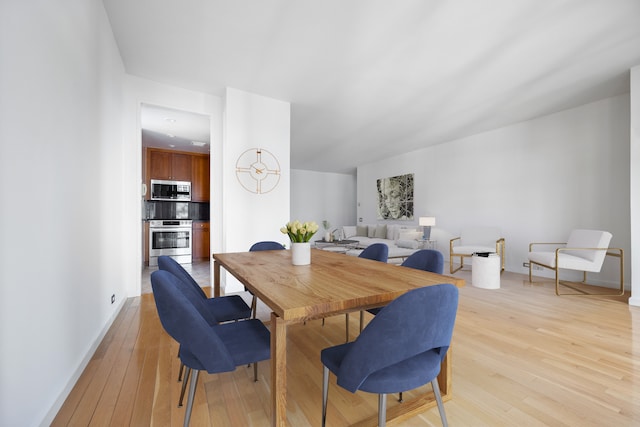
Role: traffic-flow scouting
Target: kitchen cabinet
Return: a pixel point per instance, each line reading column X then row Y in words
column 200, row 243
column 165, row 164
column 200, row 178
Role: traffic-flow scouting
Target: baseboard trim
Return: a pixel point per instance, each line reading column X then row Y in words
column 55, row 408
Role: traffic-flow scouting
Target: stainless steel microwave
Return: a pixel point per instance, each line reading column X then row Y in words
column 170, row 190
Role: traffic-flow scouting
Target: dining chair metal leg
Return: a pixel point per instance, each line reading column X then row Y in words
column 325, row 394
column 400, row 397
column 192, row 393
column 184, row 386
column 436, row 392
column 255, row 372
column 382, row 410
column 361, row 319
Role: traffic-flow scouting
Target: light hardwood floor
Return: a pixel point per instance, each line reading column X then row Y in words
column 521, row 357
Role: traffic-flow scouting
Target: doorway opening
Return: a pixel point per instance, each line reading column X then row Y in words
column 176, row 190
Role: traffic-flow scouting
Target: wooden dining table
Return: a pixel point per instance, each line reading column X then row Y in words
column 332, row 284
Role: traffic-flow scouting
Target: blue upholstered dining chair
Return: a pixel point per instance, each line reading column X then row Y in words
column 224, row 308
column 218, row 348
column 375, row 252
column 213, row 310
column 402, row 348
column 426, row 259
column 266, row 245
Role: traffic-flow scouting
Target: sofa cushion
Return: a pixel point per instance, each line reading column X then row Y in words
column 361, row 230
column 381, row 231
column 409, row 235
column 371, row 231
column 409, row 244
column 363, row 242
column 349, row 231
column 393, row 231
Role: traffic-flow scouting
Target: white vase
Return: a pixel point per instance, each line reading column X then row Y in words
column 301, row 253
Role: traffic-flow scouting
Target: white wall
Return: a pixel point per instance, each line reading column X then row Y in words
column 318, row 196
column 61, row 168
column 253, row 121
column 632, row 259
column 536, row 180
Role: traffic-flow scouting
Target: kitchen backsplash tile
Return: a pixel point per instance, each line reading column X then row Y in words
column 176, row 210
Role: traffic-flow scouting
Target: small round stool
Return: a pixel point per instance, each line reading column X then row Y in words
column 485, row 271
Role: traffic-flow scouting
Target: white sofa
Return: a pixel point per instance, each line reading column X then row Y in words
column 401, row 240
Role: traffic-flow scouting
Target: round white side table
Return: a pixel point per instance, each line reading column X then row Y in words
column 485, row 271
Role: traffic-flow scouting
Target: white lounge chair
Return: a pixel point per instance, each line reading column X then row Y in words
column 476, row 239
column 585, row 251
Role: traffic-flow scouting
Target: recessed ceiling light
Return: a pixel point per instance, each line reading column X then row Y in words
column 198, row 143
column 170, row 135
column 172, row 146
column 169, row 119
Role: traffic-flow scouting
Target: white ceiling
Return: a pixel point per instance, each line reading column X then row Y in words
column 175, row 129
column 368, row 79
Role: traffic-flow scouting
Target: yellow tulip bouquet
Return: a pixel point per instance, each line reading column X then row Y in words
column 300, row 232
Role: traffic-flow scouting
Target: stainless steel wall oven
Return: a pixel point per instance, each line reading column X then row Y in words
column 170, row 237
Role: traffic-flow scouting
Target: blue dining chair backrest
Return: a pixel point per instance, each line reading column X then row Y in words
column 191, row 294
column 169, row 264
column 415, row 323
column 427, row 260
column 186, row 325
column 224, row 308
column 376, row 252
column 266, row 246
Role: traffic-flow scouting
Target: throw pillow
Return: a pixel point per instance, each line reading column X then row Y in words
column 349, row 231
column 361, row 230
column 381, row 231
column 392, row 231
column 371, row 231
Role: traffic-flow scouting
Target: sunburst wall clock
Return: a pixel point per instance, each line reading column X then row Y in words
column 258, row 170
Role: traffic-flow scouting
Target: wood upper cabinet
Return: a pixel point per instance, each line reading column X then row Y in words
column 181, row 167
column 200, row 244
column 200, row 178
column 178, row 166
column 159, row 164
column 169, row 165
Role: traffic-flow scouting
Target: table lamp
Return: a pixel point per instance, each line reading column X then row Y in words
column 427, row 222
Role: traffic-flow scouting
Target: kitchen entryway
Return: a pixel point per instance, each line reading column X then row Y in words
column 176, row 190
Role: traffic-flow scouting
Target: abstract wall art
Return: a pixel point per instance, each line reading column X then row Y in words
column 395, row 197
